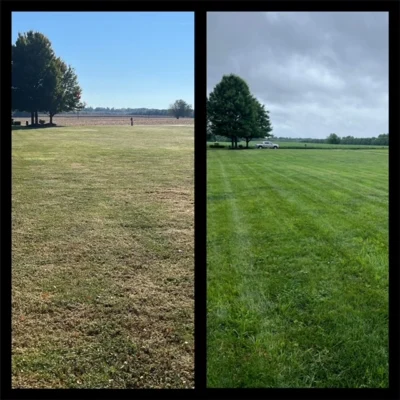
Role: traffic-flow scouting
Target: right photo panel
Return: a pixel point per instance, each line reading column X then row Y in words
column 297, row 200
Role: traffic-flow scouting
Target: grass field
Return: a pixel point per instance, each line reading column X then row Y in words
column 103, row 257
column 297, row 253
column 306, row 146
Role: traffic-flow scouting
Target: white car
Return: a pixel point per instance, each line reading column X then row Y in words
column 267, row 145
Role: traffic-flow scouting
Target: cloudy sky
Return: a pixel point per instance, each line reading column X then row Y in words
column 317, row 72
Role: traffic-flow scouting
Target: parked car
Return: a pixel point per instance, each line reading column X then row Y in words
column 267, row 145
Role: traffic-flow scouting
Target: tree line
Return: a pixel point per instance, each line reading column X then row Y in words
column 178, row 109
column 96, row 111
column 381, row 140
column 233, row 112
column 126, row 111
column 41, row 81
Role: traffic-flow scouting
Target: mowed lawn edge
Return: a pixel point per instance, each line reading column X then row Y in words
column 302, row 145
column 297, row 268
column 103, row 257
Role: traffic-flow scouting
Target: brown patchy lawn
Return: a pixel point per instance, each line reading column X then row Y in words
column 103, row 263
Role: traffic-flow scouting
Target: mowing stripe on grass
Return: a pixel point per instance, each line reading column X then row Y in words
column 297, row 269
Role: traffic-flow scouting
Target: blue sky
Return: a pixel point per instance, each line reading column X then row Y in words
column 122, row 59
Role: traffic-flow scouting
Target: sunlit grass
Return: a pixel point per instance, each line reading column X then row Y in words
column 103, row 267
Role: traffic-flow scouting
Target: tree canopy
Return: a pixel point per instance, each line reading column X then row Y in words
column 180, row 109
column 63, row 92
column 40, row 80
column 333, row 139
column 233, row 112
column 262, row 125
column 31, row 57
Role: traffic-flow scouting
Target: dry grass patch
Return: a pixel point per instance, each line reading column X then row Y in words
column 103, row 263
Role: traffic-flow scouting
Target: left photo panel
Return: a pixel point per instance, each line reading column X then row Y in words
column 103, row 200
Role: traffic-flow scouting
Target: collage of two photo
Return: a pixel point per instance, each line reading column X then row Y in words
column 146, row 227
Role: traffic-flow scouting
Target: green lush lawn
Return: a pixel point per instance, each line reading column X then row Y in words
column 103, row 257
column 297, row 253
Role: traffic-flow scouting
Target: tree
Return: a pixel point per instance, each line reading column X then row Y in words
column 333, row 139
column 62, row 91
column 262, row 126
column 210, row 135
column 231, row 109
column 32, row 55
column 180, row 109
column 347, row 140
column 382, row 139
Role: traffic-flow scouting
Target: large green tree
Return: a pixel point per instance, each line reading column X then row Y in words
column 40, row 80
column 231, row 109
column 261, row 123
column 32, row 56
column 62, row 91
column 180, row 109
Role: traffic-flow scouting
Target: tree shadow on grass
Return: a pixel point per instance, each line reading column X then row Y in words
column 30, row 127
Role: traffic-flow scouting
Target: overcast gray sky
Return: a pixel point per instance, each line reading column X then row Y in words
column 316, row 72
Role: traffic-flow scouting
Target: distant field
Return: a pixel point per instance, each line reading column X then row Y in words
column 297, row 268
column 125, row 120
column 301, row 145
column 103, row 257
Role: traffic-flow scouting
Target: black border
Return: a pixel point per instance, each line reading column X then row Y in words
column 200, row 8
column 200, row 200
column 394, row 198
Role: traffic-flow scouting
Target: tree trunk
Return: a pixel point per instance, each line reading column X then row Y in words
column 36, row 118
column 236, row 142
column 51, row 119
column 32, row 118
column 232, row 141
column 247, row 142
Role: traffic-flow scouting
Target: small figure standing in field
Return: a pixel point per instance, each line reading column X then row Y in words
column 131, row 121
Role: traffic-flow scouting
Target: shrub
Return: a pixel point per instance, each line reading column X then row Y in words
column 42, row 121
column 17, row 123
